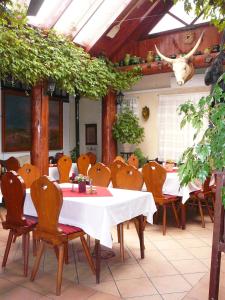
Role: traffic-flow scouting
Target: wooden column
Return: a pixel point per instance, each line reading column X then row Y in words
column 109, row 147
column 40, row 108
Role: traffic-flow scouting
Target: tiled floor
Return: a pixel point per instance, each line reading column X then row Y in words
column 176, row 267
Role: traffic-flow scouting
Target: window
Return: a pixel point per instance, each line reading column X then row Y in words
column 173, row 140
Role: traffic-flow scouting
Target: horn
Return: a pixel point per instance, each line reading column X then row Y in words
column 167, row 59
column 189, row 54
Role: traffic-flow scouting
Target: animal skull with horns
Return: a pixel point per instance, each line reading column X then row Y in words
column 182, row 67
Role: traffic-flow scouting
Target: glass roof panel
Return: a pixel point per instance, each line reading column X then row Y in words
column 100, row 21
column 166, row 23
column 76, row 15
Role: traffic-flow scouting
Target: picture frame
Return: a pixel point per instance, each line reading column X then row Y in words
column 91, row 134
column 16, row 122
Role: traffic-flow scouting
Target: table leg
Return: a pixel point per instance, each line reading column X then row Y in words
column 141, row 235
column 98, row 260
column 183, row 216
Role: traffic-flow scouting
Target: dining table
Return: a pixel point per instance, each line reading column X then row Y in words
column 99, row 211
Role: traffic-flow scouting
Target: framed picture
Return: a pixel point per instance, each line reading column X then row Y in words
column 91, row 134
column 16, row 122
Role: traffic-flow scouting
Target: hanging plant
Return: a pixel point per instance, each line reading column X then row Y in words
column 30, row 55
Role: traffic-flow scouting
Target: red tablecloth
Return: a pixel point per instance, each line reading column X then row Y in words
column 100, row 192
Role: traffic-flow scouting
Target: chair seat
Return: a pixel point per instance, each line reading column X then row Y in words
column 200, row 194
column 31, row 220
column 68, row 229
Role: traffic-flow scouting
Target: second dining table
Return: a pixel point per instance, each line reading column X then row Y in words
column 98, row 213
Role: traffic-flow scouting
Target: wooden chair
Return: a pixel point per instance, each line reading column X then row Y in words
column 92, row 158
column 83, row 163
column 47, row 199
column 10, row 164
column 133, row 161
column 128, row 178
column 64, row 165
column 118, row 157
column 115, row 167
column 100, row 175
column 29, row 173
column 154, row 177
column 14, row 191
column 203, row 197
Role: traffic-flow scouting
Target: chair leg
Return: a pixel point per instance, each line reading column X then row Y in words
column 40, row 251
column 34, row 245
column 164, row 219
column 88, row 254
column 122, row 255
column 60, row 269
column 128, row 224
column 201, row 213
column 89, row 241
column 136, row 223
column 118, row 233
column 66, row 253
column 175, row 214
column 8, row 246
column 209, row 210
column 26, row 244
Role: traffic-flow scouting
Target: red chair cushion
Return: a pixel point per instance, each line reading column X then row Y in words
column 68, row 229
column 31, row 220
column 170, row 197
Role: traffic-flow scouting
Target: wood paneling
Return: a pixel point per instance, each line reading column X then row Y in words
column 170, row 43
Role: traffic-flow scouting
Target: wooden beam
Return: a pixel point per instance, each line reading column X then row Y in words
column 40, row 113
column 109, row 148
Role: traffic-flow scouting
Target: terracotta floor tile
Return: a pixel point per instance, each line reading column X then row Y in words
column 159, row 269
column 74, row 291
column 109, row 287
column 103, row 296
column 150, row 255
column 135, row 287
column 177, row 254
column 127, row 271
column 201, row 252
column 167, row 245
column 188, row 243
column 153, row 297
column 194, row 278
column 171, row 284
column 174, row 296
column 189, row 266
column 20, row 293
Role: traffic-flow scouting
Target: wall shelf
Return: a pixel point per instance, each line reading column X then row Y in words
column 156, row 67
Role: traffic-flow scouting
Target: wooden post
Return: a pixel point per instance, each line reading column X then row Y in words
column 218, row 244
column 109, row 148
column 40, row 110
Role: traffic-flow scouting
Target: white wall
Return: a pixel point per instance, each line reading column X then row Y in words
column 68, row 131
column 91, row 113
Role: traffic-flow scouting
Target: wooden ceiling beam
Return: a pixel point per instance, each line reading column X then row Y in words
column 137, row 24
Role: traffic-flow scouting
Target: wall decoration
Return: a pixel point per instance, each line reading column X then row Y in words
column 16, row 122
column 91, row 134
column 145, row 113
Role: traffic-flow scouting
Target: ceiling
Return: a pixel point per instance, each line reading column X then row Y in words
column 100, row 26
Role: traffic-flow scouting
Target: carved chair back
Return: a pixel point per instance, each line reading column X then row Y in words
column 115, row 167
column 64, row 165
column 129, row 178
column 83, row 163
column 133, row 161
column 29, row 173
column 92, row 158
column 100, row 175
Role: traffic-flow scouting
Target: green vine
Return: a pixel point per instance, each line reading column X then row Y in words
column 30, row 55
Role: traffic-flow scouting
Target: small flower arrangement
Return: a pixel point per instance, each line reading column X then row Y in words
column 81, row 178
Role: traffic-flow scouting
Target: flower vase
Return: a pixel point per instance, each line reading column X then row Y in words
column 82, row 187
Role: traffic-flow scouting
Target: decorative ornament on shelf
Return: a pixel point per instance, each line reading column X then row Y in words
column 189, row 37
column 145, row 113
column 150, row 57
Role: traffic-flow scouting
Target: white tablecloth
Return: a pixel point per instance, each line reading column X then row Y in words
column 172, row 186
column 53, row 171
column 97, row 215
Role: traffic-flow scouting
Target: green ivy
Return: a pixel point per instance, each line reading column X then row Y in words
column 30, row 55
column 207, row 155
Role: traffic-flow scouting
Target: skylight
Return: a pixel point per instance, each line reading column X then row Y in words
column 176, row 18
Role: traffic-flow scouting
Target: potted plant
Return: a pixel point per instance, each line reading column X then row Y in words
column 126, row 130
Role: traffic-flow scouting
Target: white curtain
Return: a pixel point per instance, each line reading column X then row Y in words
column 173, row 140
